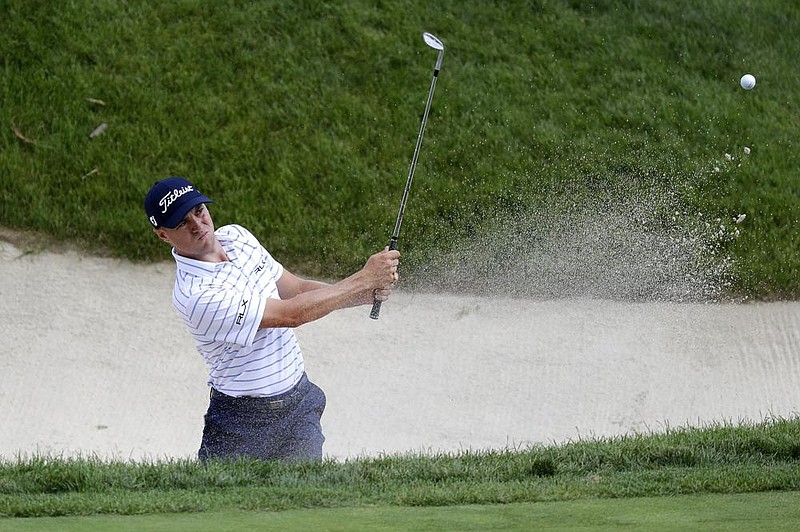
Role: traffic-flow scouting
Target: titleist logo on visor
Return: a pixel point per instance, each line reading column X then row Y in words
column 168, row 201
column 173, row 195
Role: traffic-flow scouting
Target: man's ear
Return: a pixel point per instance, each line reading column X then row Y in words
column 160, row 233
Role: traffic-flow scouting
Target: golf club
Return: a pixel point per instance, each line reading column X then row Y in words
column 434, row 42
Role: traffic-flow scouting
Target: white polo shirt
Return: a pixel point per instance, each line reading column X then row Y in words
column 222, row 305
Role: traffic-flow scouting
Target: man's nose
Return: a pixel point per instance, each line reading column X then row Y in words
column 193, row 221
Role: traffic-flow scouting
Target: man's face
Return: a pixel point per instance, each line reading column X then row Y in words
column 194, row 236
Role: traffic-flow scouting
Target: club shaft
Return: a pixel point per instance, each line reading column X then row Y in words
column 413, row 166
column 376, row 305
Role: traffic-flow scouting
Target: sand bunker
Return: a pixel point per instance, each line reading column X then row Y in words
column 97, row 363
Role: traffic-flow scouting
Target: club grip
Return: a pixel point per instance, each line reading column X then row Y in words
column 375, row 313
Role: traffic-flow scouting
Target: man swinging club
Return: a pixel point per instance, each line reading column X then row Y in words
column 240, row 306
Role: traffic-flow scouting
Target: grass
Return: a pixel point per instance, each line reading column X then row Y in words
column 722, row 459
column 752, row 511
column 299, row 119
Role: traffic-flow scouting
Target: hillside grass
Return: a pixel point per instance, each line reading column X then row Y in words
column 299, row 119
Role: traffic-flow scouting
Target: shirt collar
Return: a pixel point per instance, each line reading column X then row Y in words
column 199, row 267
column 194, row 266
column 229, row 245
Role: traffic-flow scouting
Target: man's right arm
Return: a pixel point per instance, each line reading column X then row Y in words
column 319, row 299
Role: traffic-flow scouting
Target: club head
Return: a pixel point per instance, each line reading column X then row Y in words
column 433, row 41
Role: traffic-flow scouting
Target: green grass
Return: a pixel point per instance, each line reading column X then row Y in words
column 722, row 459
column 751, row 511
column 299, row 119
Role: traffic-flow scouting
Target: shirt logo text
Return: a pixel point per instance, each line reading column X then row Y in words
column 241, row 314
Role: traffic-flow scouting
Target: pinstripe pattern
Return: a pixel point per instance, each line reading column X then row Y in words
column 222, row 304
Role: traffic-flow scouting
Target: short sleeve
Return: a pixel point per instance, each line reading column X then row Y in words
column 225, row 315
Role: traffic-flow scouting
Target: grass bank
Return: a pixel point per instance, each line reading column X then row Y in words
column 299, row 119
column 722, row 459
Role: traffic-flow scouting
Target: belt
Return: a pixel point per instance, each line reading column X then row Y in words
column 272, row 402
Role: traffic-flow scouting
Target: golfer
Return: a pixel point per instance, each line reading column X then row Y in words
column 241, row 306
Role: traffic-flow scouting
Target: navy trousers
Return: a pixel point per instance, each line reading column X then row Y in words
column 283, row 427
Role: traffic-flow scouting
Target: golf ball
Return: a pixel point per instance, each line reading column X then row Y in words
column 748, row 81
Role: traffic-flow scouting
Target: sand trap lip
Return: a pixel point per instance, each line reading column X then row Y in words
column 97, row 364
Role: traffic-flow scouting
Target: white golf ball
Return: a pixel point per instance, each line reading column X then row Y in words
column 748, row 81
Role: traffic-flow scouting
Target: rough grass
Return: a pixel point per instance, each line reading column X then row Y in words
column 719, row 459
column 299, row 119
